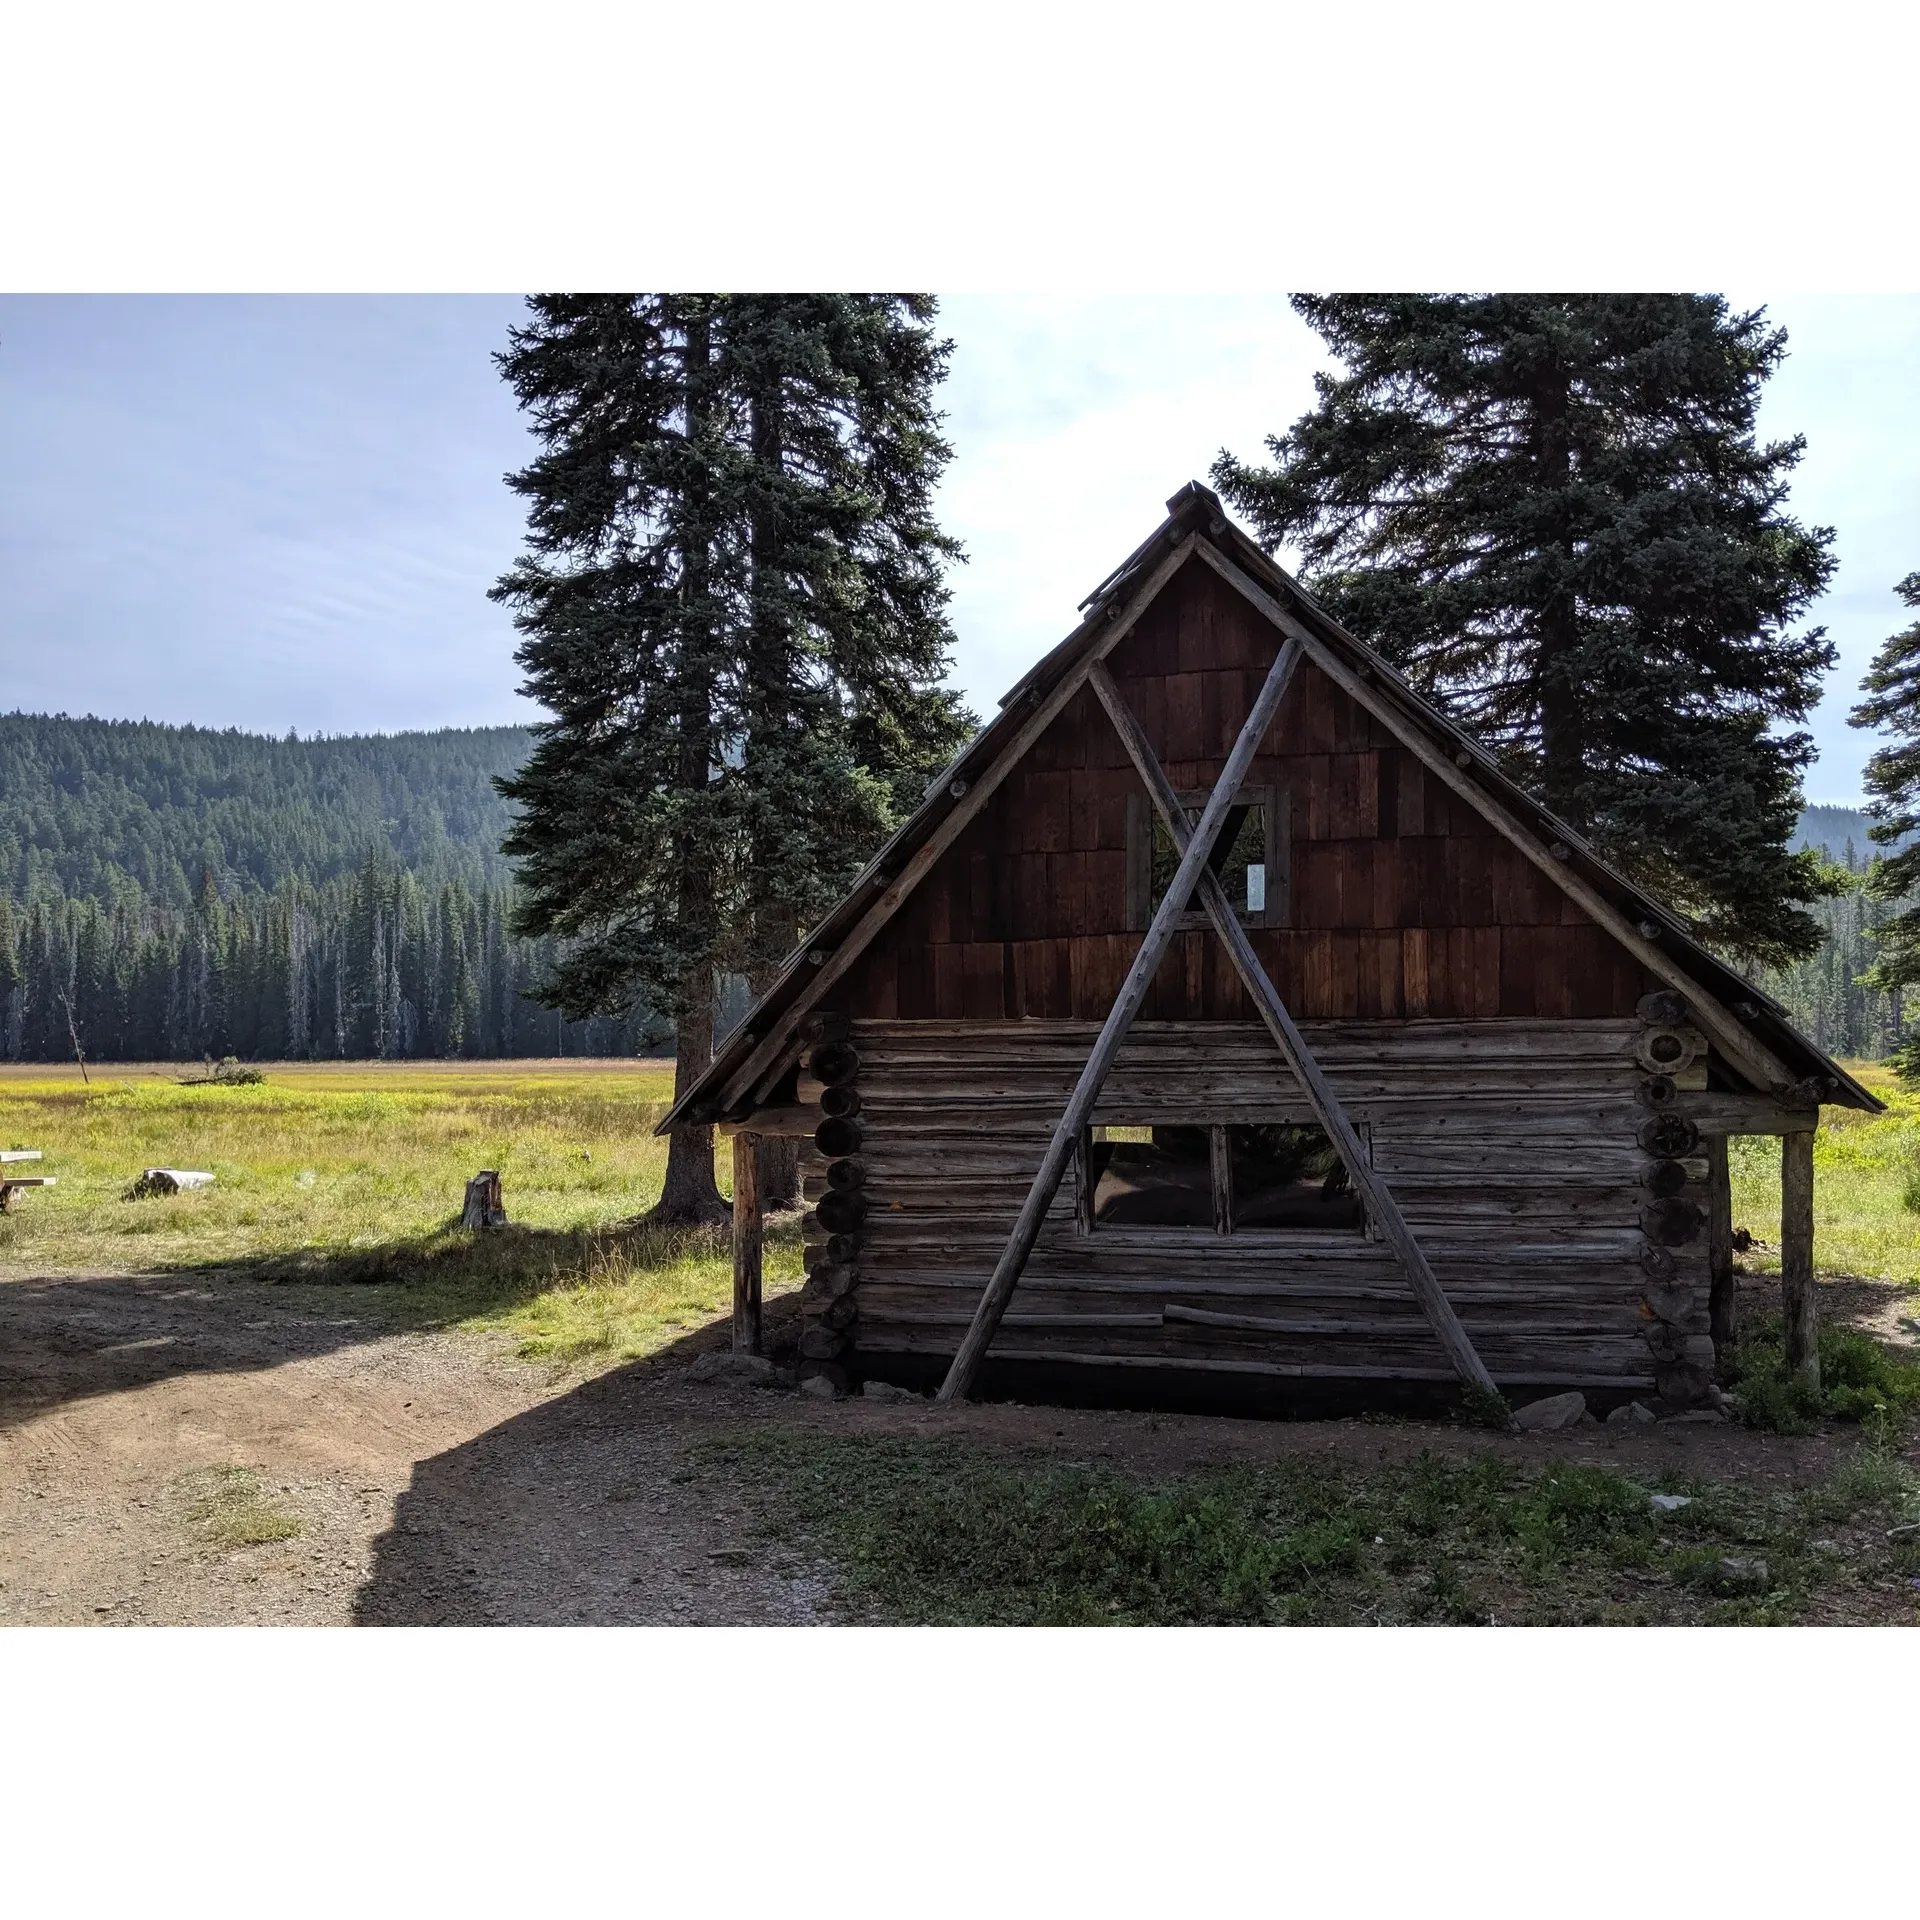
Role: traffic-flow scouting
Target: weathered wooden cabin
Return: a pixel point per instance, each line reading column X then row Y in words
column 1225, row 1018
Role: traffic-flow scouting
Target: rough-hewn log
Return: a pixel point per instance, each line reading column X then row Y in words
column 838, row 1138
column 1720, row 1305
column 1726, row 1113
column 834, row 1065
column 746, row 1243
column 1381, row 1206
column 840, row 1212
column 1153, row 947
column 783, row 1122
column 1802, row 1309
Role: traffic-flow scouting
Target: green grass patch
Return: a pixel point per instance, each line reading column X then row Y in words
column 598, row 1295
column 226, row 1507
column 936, row 1532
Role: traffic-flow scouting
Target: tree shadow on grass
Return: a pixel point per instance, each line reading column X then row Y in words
column 67, row 1337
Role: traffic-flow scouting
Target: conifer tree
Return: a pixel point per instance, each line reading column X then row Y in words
column 733, row 609
column 1892, row 687
column 1553, row 514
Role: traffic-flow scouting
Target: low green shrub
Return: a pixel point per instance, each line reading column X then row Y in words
column 1860, row 1380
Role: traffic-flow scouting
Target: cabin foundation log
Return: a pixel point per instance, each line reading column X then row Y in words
column 746, row 1242
column 1800, row 1306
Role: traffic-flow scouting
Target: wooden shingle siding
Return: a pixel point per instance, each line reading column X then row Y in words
column 1403, row 903
column 1510, row 1146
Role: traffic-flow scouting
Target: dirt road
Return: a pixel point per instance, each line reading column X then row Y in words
column 151, row 1431
column 217, row 1450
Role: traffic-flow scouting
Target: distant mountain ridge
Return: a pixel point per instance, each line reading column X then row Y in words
column 1833, row 829
column 100, row 809
column 87, row 806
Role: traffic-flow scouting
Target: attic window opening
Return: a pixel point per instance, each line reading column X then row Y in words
column 1223, row 1179
column 1250, row 858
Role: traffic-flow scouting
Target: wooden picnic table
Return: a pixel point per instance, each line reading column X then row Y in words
column 9, row 1182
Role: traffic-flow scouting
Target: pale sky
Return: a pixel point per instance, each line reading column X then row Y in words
column 285, row 512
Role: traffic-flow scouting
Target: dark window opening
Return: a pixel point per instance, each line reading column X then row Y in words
column 1290, row 1177
column 1250, row 857
column 1151, row 1176
column 1227, row 1178
column 1239, row 858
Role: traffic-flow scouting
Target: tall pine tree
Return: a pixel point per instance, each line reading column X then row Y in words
column 733, row 609
column 1553, row 514
column 1892, row 687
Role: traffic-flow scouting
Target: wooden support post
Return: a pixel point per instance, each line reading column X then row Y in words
column 1720, row 1298
column 1381, row 1206
column 746, row 1243
column 1801, row 1309
column 1220, row 1165
column 1146, row 963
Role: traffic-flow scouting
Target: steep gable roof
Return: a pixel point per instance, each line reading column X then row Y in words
column 1752, row 1032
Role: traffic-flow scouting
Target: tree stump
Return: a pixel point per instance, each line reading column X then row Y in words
column 484, row 1210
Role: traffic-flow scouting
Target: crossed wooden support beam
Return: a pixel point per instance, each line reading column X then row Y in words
column 1195, row 878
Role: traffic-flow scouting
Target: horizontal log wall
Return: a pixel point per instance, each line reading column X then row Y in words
column 1511, row 1146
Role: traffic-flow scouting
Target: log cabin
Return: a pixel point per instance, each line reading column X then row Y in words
column 1225, row 1024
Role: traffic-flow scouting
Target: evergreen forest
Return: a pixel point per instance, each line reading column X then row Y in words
column 170, row 893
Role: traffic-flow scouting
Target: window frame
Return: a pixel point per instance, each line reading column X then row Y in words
column 1142, row 818
column 1220, row 1163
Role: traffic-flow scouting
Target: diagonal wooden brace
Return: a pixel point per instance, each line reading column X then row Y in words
column 1146, row 963
column 1380, row 1203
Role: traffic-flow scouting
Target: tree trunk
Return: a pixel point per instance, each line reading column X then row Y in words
column 1557, row 622
column 691, row 1195
column 779, row 1158
column 746, row 1244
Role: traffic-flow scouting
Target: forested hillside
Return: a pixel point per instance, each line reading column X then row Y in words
column 96, row 808
column 173, row 892
column 1823, row 993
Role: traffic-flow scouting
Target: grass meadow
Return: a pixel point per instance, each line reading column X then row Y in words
column 1866, row 1187
column 354, row 1173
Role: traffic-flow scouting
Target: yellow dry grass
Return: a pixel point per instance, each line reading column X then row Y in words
column 352, row 1175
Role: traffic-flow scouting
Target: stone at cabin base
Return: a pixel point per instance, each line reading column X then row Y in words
column 1551, row 1415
